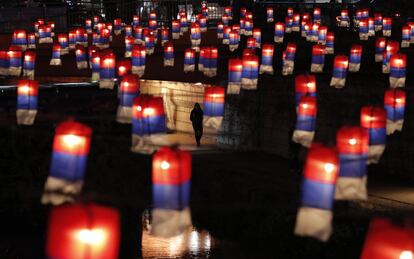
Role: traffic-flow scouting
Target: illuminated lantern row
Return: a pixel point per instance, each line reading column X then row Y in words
column 386, row 26
column 339, row 71
column 72, row 39
column 81, row 62
column 96, row 66
column 20, row 39
column 149, row 43
column 288, row 59
column 296, row 22
column 83, row 231
column 128, row 31
column 257, row 34
column 371, row 27
column 213, row 106
column 374, row 120
column 406, row 36
column 226, row 34
column 165, row 35
column 317, row 15
column 267, row 59
column 4, row 63
column 228, row 10
column 29, row 64
column 344, row 19
column 394, row 104
column 269, row 14
column 138, row 59
column 195, row 36
column 392, row 48
column 14, row 56
column 248, row 27
column 305, row 121
column 305, row 85
column 279, row 32
column 318, row 58
column 175, row 29
column 208, row 61
column 355, row 56
column 378, row 21
column 220, row 28
column 330, row 43
column 322, row 32
column 363, row 29
column 148, row 123
column 288, row 24
column 138, row 34
column 312, row 33
column 235, row 68
column 189, row 60
column 398, row 65
column 129, row 41
column 135, row 20
column 27, row 96
column 251, row 43
column 56, row 61
column 234, row 38
column 31, row 40
column 352, row 145
column 250, row 72
column 117, row 26
column 124, row 67
column 64, row 44
column 88, row 26
column 314, row 217
column 107, row 70
column 171, row 183
column 128, row 90
column 168, row 54
column 71, row 146
column 387, row 240
column 45, row 34
column 380, row 44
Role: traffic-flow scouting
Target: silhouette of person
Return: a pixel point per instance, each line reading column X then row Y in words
column 196, row 118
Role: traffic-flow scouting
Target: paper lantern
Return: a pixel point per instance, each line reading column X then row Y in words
column 357, row 17
column 374, row 120
column 392, row 48
column 213, row 107
column 235, row 68
column 72, row 39
column 250, row 72
column 104, row 38
column 305, row 85
column 288, row 24
column 330, row 43
column 27, row 96
column 378, row 21
column 406, row 36
column 386, row 26
column 129, row 41
column 203, row 24
column 183, row 24
column 189, row 60
column 117, row 26
column 64, row 44
column 317, row 15
column 371, row 27
column 135, row 20
column 296, row 22
column 204, row 11
column 20, row 39
column 352, row 145
column 138, row 34
column 248, row 27
column 398, row 64
column 288, row 59
column 320, row 173
column 380, row 44
column 128, row 90
column 96, row 66
column 355, row 58
column 81, row 37
column 195, row 36
column 305, row 121
column 394, row 104
column 107, row 70
column 322, row 31
column 210, row 61
column 169, row 54
column 83, row 231
column 128, row 31
column 88, row 25
column 220, row 27
column 109, row 27
column 152, row 25
column 363, row 29
column 249, row 15
column 165, row 35
column 81, row 62
column 124, row 68
column 234, row 38
column 318, row 58
column 96, row 20
column 45, row 34
column 31, row 40
column 243, row 12
column 312, row 33
column 175, row 29
column 267, row 59
column 257, row 34
column 279, row 32
column 289, row 12
column 226, row 34
column 339, row 71
column 269, row 14
column 4, row 63
column 225, row 19
column 14, row 60
column 251, row 43
column 149, row 43
column 344, row 18
column 138, row 60
column 228, row 10
column 29, row 64
column 305, row 24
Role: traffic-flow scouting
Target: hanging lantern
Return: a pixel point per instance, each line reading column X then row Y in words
column 406, row 36
column 394, row 104
column 29, row 64
column 45, row 34
column 104, row 36
column 226, row 34
column 312, row 34
column 267, row 59
column 71, row 146
column 83, row 231
column 135, row 20
column 175, row 24
column 96, row 66
column 128, row 90
column 371, row 27
column 168, row 54
column 305, row 85
column 210, row 65
column 148, row 123
column 129, row 41
column 117, row 26
column 14, row 57
column 138, row 34
column 317, row 18
column 279, row 32
column 31, row 41
column 318, row 58
column 228, row 10
column 107, row 70
column 392, row 48
column 363, row 29
column 72, row 39
column 183, row 24
column 269, row 14
column 195, row 35
column 398, row 64
column 380, row 44
column 27, row 92
column 289, row 12
column 306, row 121
column 248, row 27
column 20, row 39
column 189, row 60
column 4, row 63
column 88, row 26
column 165, row 35
column 149, row 43
column 339, row 71
column 288, row 24
column 203, row 24
column 213, row 107
column 251, row 43
column 374, row 119
column 234, row 38
column 322, row 31
column 344, row 19
column 378, row 21
column 386, row 26
column 352, row 145
column 124, row 68
column 289, row 59
column 355, row 56
column 235, row 68
column 250, row 72
column 81, row 62
column 220, row 27
column 314, row 217
column 138, row 60
column 257, row 34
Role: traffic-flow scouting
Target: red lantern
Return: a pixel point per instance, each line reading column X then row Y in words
column 398, row 61
column 248, row 53
column 373, row 117
column 130, row 84
column 321, row 164
column 352, row 140
column 251, row 43
column 124, row 67
column 171, row 166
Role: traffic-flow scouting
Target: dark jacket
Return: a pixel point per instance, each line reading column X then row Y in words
column 196, row 118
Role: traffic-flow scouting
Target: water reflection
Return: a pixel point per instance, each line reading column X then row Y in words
column 192, row 242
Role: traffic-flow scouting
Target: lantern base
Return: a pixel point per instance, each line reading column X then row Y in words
column 106, row 84
column 269, row 20
column 314, row 222
column 386, row 33
column 148, row 144
column 278, row 39
column 338, row 82
column 3, row 71
column 248, row 33
column 95, row 77
column 354, row 67
column 138, row 41
column 138, row 70
column 184, row 29
column 233, row 47
column 45, row 40
column 249, row 84
column 168, row 62
column 168, row 223
column 288, row 30
column 82, row 65
column 64, row 51
column 200, row 67
column 210, row 72
column 127, row 54
column 14, row 71
column 295, row 29
column 103, row 46
column 31, row 46
column 226, row 41
column 344, row 24
column 405, row 44
column 329, row 50
column 288, row 68
column 317, row 68
column 304, row 138
column 55, row 62
column 397, row 82
column 30, row 74
column 386, row 68
column 58, row 191
column 117, row 32
column 363, row 36
column 25, row 117
column 196, row 43
column 150, row 51
column 219, row 35
column 242, row 31
column 213, row 122
column 189, row 68
column 175, row 35
column 375, row 153
column 371, row 33
column 393, row 126
column 124, row 114
column 351, row 188
column 266, row 69
column 378, row 27
column 233, row 88
column 322, row 42
column 73, row 46
column 303, row 34
column 378, row 57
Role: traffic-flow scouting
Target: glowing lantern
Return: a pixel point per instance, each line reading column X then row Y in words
column 380, row 44
column 228, row 10
column 213, row 106
column 148, row 123
column 71, row 146
column 124, row 68
column 29, row 64
column 330, row 42
column 386, row 26
column 109, row 27
column 339, row 71
column 289, row 12
column 27, row 92
column 236, row 27
column 374, row 120
column 165, row 35
column 378, row 21
column 210, row 64
column 225, row 20
column 296, row 22
column 318, row 58
column 357, row 17
column 81, row 37
column 138, row 34
column 312, row 34
column 394, row 104
column 72, row 39
column 4, row 63
column 80, row 53
column 250, row 72
column 135, row 20
column 128, row 31
column 150, row 43
column 398, row 64
column 31, row 40
column 88, row 25
column 305, row 121
column 411, row 25
column 14, row 60
column 96, row 20
column 305, row 85
column 344, row 19
column 257, row 34
column 152, row 25
column 235, row 69
column 100, row 26
column 363, row 29
column 129, row 41
column 234, row 38
column 168, row 54
column 317, row 15
column 45, row 34
column 249, row 15
column 195, row 36
column 243, row 12
column 203, row 24
column 104, row 38
column 36, row 28
column 269, row 14
column 204, row 11
column 371, row 27
column 320, row 173
column 288, row 59
column 220, row 27
column 189, row 60
column 153, row 15
column 175, row 24
column 267, row 59
column 117, row 26
column 107, row 70
column 322, row 31
column 248, row 27
column 64, row 44
column 83, row 231
column 20, row 39
column 355, row 58
column 96, row 66
column 251, row 43
column 128, row 90
column 304, row 25
column 406, row 36
column 279, row 32
column 392, row 48
column 352, row 145
column 138, row 60
column 288, row 24
column 226, row 34
column 183, row 24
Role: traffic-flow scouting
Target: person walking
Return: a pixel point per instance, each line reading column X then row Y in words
column 196, row 118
